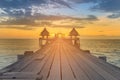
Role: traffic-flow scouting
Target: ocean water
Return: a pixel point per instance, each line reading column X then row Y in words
column 104, row 47
column 10, row 48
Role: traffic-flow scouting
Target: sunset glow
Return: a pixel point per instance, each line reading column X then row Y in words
column 90, row 17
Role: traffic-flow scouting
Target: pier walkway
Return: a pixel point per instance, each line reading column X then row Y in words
column 60, row 61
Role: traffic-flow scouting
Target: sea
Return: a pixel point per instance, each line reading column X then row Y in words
column 10, row 48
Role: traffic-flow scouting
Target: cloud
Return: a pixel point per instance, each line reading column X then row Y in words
column 108, row 5
column 28, row 3
column 91, row 18
column 68, row 26
column 20, row 3
column 17, row 12
column 30, row 23
column 27, row 7
column 23, row 12
column 41, row 24
column 64, row 25
column 18, row 21
column 46, row 23
column 101, row 31
column 2, row 12
column 50, row 17
column 19, row 27
column 32, row 20
column 17, row 8
column 114, row 15
column 84, row 1
column 62, row 2
column 104, row 5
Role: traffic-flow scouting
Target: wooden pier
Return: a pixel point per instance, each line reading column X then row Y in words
column 60, row 60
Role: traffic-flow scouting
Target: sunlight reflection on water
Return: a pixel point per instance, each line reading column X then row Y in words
column 9, row 49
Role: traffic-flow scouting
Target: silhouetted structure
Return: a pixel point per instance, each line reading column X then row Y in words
column 60, row 61
column 44, row 33
column 44, row 37
column 59, row 35
column 75, row 37
column 73, row 33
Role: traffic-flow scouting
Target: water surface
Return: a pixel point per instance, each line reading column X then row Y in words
column 10, row 48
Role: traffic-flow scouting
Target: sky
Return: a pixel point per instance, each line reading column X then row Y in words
column 91, row 18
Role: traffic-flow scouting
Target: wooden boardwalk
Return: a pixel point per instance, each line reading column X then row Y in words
column 60, row 61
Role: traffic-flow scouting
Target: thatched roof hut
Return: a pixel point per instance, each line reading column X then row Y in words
column 73, row 32
column 44, row 32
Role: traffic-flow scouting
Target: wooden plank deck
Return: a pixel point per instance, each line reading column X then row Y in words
column 60, row 61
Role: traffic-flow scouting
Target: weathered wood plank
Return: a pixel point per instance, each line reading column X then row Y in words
column 94, row 67
column 90, row 73
column 78, row 72
column 55, row 69
column 18, row 79
column 61, row 61
column 114, row 71
column 67, row 71
column 45, row 71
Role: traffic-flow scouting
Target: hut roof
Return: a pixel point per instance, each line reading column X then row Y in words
column 74, row 32
column 44, row 32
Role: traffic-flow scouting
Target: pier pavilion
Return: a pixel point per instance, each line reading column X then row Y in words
column 60, row 60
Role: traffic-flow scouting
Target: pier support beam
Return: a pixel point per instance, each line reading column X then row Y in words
column 43, row 41
column 77, row 42
column 104, row 58
column 27, row 53
column 40, row 42
column 19, row 57
column 87, row 51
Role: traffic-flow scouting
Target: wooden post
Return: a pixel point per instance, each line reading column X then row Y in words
column 87, row 51
column 19, row 57
column 40, row 42
column 77, row 42
column 104, row 58
column 46, row 39
column 27, row 53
